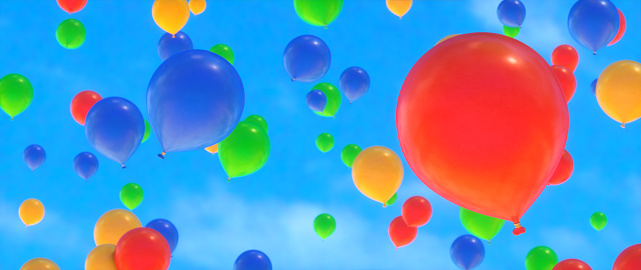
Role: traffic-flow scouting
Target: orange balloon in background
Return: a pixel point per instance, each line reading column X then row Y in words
column 446, row 38
column 212, row 149
column 113, row 225
column 567, row 80
column 197, row 6
column 101, row 258
column 399, row 7
column 416, row 211
column 170, row 15
column 31, row 212
column 565, row 55
column 629, row 259
column 621, row 29
column 564, row 170
column 618, row 91
column 39, row 264
column 572, row 264
column 377, row 173
column 400, row 233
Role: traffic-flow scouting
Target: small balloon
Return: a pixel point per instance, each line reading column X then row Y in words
column 467, row 252
column 511, row 13
column 563, row 170
column 16, row 94
column 325, row 142
column 224, row 51
column 169, row 44
column 621, row 30
column 333, row 99
column 349, row 153
column 131, row 195
column 354, row 82
column 31, row 212
column 197, row 6
column 572, row 264
column 598, row 220
column 593, row 23
column 245, row 150
column 565, row 55
column 170, row 15
column 399, row 7
column 253, row 260
column 377, row 173
column 71, row 34
column 306, row 58
column 212, row 149
column 567, row 80
column 34, row 155
column 324, row 225
column 391, row 200
column 618, row 91
column 258, row 120
column 511, row 31
column 85, row 165
column 142, row 249
column 316, row 100
column 112, row 225
column 416, row 211
column 39, row 264
column 147, row 133
column 400, row 233
column 81, row 103
column 72, row 6
column 479, row 225
column 318, row 12
column 101, row 258
column 629, row 258
column 167, row 229
column 541, row 258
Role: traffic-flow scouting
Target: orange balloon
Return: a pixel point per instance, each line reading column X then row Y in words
column 564, row 170
column 399, row 7
column 113, row 225
column 31, row 212
column 567, row 80
column 565, row 55
column 400, row 233
column 446, row 38
column 212, row 149
column 101, row 258
column 39, row 264
column 197, row 6
column 377, row 173
column 170, row 15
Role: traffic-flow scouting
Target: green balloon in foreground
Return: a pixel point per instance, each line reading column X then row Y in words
column 391, row 200
column 541, row 258
column 511, row 31
column 145, row 137
column 324, row 225
column 71, row 33
column 224, row 51
column 16, row 94
column 598, row 221
column 131, row 195
column 258, row 120
column 325, row 142
column 245, row 150
column 318, row 12
column 333, row 99
column 349, row 153
column 479, row 225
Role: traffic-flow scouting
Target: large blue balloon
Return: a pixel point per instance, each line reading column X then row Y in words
column 167, row 229
column 194, row 100
column 593, row 23
column 593, row 86
column 85, row 164
column 168, row 46
column 511, row 13
column 306, row 58
column 316, row 100
column 467, row 252
column 354, row 82
column 253, row 260
column 114, row 127
column 34, row 155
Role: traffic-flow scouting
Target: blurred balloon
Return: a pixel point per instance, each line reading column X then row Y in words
column 197, row 6
column 101, row 258
column 629, row 258
column 112, row 225
column 245, row 150
column 354, row 82
column 142, row 249
column 541, row 258
column 170, row 15
column 34, row 155
column 399, row 7
column 400, row 233
column 39, row 264
column 563, row 170
column 169, row 44
column 593, row 86
column 81, row 103
column 511, row 13
column 621, row 30
column 194, row 100
column 377, row 173
column 145, row 136
column 416, row 211
column 325, row 142
column 349, row 153
column 72, row 6
column 446, row 38
column 481, row 226
column 511, row 31
column 567, row 80
column 212, row 149
column 307, row 58
column 85, row 165
column 31, row 212
column 167, row 229
column 224, row 51
column 565, row 55
column 593, row 23
column 618, row 91
column 316, row 100
column 71, row 34
column 572, row 264
column 318, row 12
column 467, row 252
column 115, row 127
column 258, row 120
column 391, row 200
column 253, row 260
column 333, row 99
column 131, row 195
column 16, row 93
column 598, row 221
column 324, row 225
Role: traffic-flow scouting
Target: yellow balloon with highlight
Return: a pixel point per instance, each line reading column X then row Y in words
column 377, row 173
column 399, row 7
column 446, row 38
column 170, row 15
column 39, row 264
column 113, row 225
column 212, row 149
column 31, row 212
column 618, row 91
column 197, row 6
column 101, row 258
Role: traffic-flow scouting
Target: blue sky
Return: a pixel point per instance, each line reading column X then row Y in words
column 273, row 210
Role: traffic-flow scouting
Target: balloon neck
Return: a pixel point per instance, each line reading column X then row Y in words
column 228, row 179
column 123, row 166
column 400, row 17
column 623, row 125
column 594, row 53
column 518, row 229
column 173, row 36
column 26, row 226
column 162, row 155
column 11, row 118
column 384, row 205
column 326, row 26
column 489, row 242
column 293, row 79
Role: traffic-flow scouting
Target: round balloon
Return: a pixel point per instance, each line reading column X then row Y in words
column 245, row 150
column 31, row 212
column 72, row 6
column 593, row 23
column 333, row 96
column 85, row 165
column 316, row 100
column 147, row 133
column 399, row 7
column 572, row 264
column 71, row 34
column 598, row 220
column 101, row 258
column 324, row 225
column 131, row 195
column 112, row 225
column 416, row 211
column 445, row 38
column 400, row 233
column 479, row 225
column 306, row 58
column 511, row 31
column 253, row 260
column 563, row 170
column 169, row 45
column 34, row 155
column 142, row 249
column 618, row 91
column 224, row 51
column 391, row 200
column 354, row 82
column 467, row 252
column 16, row 93
column 39, row 264
column 621, row 30
column 629, row 258
column 197, row 6
column 349, row 153
column 167, row 229
column 258, row 120
column 511, row 13
column 567, row 80
column 593, row 86
column 318, row 12
column 212, row 149
column 170, row 15
column 565, row 55
column 541, row 258
column 81, row 103
column 325, row 142
column 377, row 173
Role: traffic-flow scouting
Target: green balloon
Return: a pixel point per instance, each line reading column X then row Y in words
column 481, row 226
column 258, row 120
column 325, row 142
column 16, row 93
column 224, row 51
column 333, row 99
column 391, row 200
column 145, row 137
column 511, row 31
column 324, row 225
column 349, row 153
column 541, row 258
column 598, row 221
column 318, row 12
column 245, row 150
column 131, row 195
column 71, row 33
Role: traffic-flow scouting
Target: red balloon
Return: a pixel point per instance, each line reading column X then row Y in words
column 81, row 103
column 416, row 211
column 629, row 259
column 142, row 249
column 482, row 121
column 621, row 29
column 400, row 233
column 567, row 80
column 572, row 264
column 72, row 6
column 565, row 55
column 563, row 170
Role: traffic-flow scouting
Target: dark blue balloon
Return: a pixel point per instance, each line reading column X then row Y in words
column 354, row 82
column 253, row 260
column 511, row 13
column 167, row 229
column 467, row 252
column 168, row 46
column 34, row 155
column 194, row 100
column 593, row 23
column 85, row 164
column 114, row 127
column 316, row 100
column 306, row 58
column 593, row 86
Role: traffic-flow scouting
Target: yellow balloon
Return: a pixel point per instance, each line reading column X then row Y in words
column 377, row 172
column 618, row 91
column 212, row 149
column 446, row 38
column 197, row 6
column 399, row 7
column 31, row 212
column 39, row 264
column 101, row 258
column 113, row 225
column 170, row 15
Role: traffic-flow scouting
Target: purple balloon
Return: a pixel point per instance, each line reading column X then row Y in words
column 467, row 252
column 354, row 82
column 253, row 260
column 306, row 58
column 593, row 23
column 168, row 46
column 85, row 164
column 34, row 155
column 316, row 100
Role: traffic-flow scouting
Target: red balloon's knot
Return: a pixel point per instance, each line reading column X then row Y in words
column 162, row 155
column 518, row 229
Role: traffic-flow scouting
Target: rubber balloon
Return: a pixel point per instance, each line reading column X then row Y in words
column 333, row 99
column 572, row 264
column 502, row 76
column 479, row 225
column 16, row 93
column 399, row 7
column 72, row 6
column 621, row 30
column 71, row 34
column 142, row 249
column 306, row 58
column 567, row 80
column 629, row 258
column 258, row 120
column 318, row 12
column 253, row 260
column 618, row 91
column 377, row 173
column 197, row 6
column 85, row 165
column 101, row 258
column 224, row 51
column 511, row 13
column 349, row 153
column 391, row 200
column 324, row 225
column 467, row 252
column 511, row 31
column 565, row 55
column 147, row 133
column 31, row 212
column 34, row 155
column 81, row 103
column 167, row 229
column 170, row 15
column 39, row 264
column 593, row 86
column 212, row 149
column 316, row 100
column 354, row 82
column 446, row 38
column 416, row 211
column 325, row 142
column 113, row 224
column 245, row 150
column 598, row 221
column 131, row 195
column 563, row 170
column 400, row 233
column 169, row 44
column 593, row 23
column 541, row 258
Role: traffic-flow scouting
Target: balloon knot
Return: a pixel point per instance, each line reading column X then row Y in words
column 173, row 36
column 489, row 242
column 123, row 166
column 400, row 17
column 623, row 125
column 326, row 26
column 228, row 179
column 293, row 79
column 162, row 155
column 384, row 205
column 518, row 229
column 594, row 53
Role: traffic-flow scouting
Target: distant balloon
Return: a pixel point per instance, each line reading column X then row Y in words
column 170, row 15
column 81, row 103
column 131, row 195
column 112, row 225
column 467, row 252
column 598, row 220
column 142, row 249
column 325, row 142
column 318, row 12
column 572, row 264
column 416, row 211
column 541, row 258
column 34, row 155
column 167, row 229
column 629, row 258
column 16, row 93
column 511, row 13
column 617, row 91
column 349, row 153
column 446, row 38
column 333, row 99
column 39, row 264
column 400, row 233
column 621, row 30
column 511, row 31
column 71, row 34
column 31, row 212
column 147, row 133
column 72, row 6
column 85, row 165
column 593, row 86
column 316, row 100
column 354, row 82
column 307, row 58
column 481, row 226
column 567, row 80
column 391, row 200
column 377, row 173
column 212, row 149
column 245, row 150
column 169, row 45
column 324, row 225
column 399, row 7
column 101, row 258
column 563, row 170
column 593, row 23
column 253, row 260
column 565, row 55
column 259, row 121
column 197, row 6
column 224, row 51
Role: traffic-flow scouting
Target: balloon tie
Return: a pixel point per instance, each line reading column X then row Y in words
column 594, row 53
column 384, row 205
column 173, row 36
column 162, row 155
column 489, row 242
column 123, row 166
column 228, row 179
column 326, row 26
column 518, row 229
column 623, row 125
column 293, row 79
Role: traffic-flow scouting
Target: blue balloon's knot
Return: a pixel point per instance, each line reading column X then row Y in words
column 161, row 155
column 123, row 166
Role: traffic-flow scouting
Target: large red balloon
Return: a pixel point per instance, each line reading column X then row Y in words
column 142, row 249
column 81, row 103
column 400, row 233
column 629, row 259
column 565, row 55
column 482, row 121
column 72, row 6
column 567, row 80
column 416, row 211
column 572, row 264
column 621, row 29
column 564, row 170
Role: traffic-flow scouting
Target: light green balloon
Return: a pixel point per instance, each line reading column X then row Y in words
column 511, row 31
column 598, row 221
column 131, row 195
column 245, row 150
column 479, row 225
column 16, row 94
column 391, row 200
column 318, row 12
column 541, row 258
column 324, row 225
column 333, row 99
column 71, row 33
column 259, row 121
column 325, row 142
column 349, row 153
column 224, row 51
column 145, row 137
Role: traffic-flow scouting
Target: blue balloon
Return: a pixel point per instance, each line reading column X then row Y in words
column 593, row 23
column 34, row 155
column 306, row 58
column 467, row 252
column 593, row 86
column 114, row 127
column 167, row 229
column 194, row 100
column 168, row 46
column 316, row 100
column 85, row 164
column 511, row 13
column 253, row 260
column 354, row 82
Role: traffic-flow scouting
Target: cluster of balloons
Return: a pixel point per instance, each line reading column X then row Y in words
column 246, row 149
column 399, row 7
column 596, row 23
column 16, row 94
column 511, row 14
column 324, row 225
column 416, row 212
